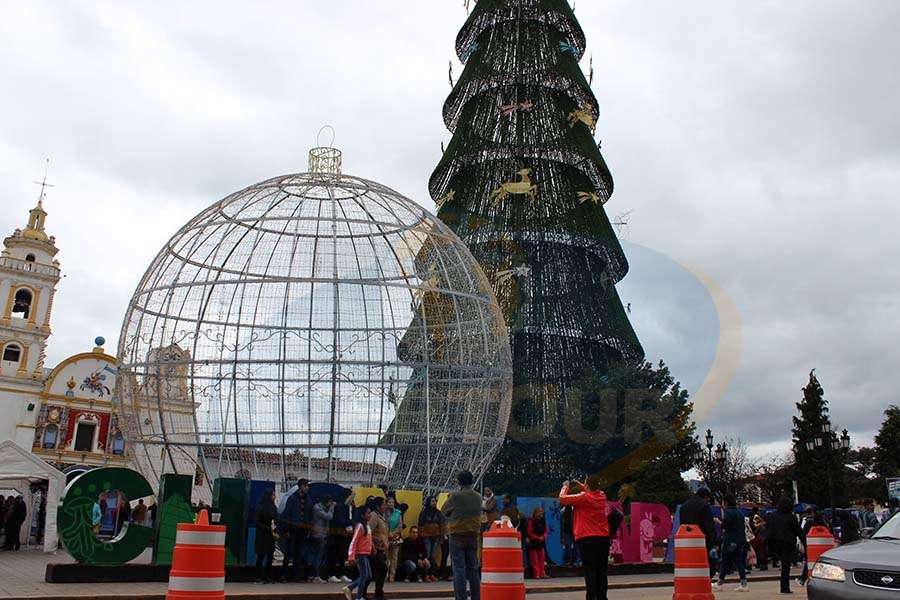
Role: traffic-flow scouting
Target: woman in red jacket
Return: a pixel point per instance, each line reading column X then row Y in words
column 537, row 538
column 591, row 531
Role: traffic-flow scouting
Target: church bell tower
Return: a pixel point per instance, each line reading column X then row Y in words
column 28, row 277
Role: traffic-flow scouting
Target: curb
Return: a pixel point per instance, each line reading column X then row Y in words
column 390, row 595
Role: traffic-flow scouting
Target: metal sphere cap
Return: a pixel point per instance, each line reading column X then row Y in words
column 315, row 325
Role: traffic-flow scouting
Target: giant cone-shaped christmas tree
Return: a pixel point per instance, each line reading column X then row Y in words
column 523, row 183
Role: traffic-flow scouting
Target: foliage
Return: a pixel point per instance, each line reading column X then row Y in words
column 862, row 479
column 730, row 476
column 770, row 482
column 642, row 418
column 813, row 467
column 887, row 446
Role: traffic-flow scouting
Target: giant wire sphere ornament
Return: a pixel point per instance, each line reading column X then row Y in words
column 315, row 325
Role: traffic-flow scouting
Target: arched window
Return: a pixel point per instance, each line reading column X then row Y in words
column 29, row 258
column 22, row 304
column 118, row 445
column 85, row 434
column 51, row 432
column 12, row 353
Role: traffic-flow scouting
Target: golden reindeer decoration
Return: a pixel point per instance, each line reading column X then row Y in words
column 583, row 116
column 523, row 187
column 588, row 197
column 448, row 197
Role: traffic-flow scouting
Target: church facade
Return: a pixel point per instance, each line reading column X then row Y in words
column 66, row 415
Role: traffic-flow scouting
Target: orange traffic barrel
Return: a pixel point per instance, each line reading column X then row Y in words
column 502, row 570
column 691, row 565
column 198, row 562
column 818, row 541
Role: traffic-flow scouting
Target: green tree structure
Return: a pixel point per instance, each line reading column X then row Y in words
column 819, row 472
column 524, row 184
column 887, row 447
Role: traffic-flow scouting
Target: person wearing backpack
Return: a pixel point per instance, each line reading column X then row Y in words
column 591, row 530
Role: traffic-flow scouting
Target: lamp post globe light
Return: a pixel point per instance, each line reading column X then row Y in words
column 712, row 463
column 822, row 449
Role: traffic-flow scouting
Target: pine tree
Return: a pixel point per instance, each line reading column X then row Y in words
column 887, row 445
column 814, row 467
column 524, row 184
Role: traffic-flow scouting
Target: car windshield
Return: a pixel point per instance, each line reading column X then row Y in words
column 891, row 528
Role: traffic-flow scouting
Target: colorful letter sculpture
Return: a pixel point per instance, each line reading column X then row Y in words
column 74, row 517
column 230, row 509
column 174, row 508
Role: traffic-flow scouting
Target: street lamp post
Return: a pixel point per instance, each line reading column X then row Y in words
column 826, row 446
column 713, row 461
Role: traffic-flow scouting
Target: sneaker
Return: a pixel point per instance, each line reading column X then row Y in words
column 345, row 579
column 801, row 582
column 742, row 588
column 258, row 582
column 348, row 593
column 333, row 579
column 716, row 586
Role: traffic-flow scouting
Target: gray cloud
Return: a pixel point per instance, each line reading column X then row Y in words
column 757, row 141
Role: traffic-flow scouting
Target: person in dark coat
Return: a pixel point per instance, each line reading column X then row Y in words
column 295, row 524
column 432, row 528
column 784, row 531
column 696, row 511
column 339, row 541
column 816, row 520
column 849, row 526
column 264, row 546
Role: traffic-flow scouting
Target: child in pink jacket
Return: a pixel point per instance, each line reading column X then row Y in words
column 361, row 553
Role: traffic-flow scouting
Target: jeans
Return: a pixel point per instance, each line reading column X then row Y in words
column 736, row 557
column 411, row 570
column 364, row 566
column 432, row 544
column 379, row 572
column 464, row 554
column 318, row 555
column 595, row 558
column 570, row 550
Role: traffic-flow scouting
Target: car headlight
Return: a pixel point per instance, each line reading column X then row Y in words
column 828, row 572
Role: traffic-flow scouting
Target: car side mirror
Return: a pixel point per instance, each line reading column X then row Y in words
column 867, row 532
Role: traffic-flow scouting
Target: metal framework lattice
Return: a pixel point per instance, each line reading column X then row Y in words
column 315, row 325
column 524, row 185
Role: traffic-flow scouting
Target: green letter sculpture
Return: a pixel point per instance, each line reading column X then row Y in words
column 74, row 517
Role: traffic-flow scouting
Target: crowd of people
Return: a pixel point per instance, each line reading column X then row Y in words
column 778, row 539
column 13, row 513
column 328, row 540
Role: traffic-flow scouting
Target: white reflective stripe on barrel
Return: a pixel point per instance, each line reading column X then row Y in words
column 692, row 573
column 502, row 542
column 200, row 538
column 819, row 541
column 487, row 577
column 690, row 543
column 197, row 584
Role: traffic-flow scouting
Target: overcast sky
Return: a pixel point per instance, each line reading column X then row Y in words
column 756, row 141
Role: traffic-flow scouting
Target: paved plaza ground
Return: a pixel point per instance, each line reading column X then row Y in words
column 22, row 576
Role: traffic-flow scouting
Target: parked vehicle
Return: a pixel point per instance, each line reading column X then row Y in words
column 868, row 569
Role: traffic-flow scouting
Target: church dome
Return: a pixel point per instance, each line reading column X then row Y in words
column 315, row 325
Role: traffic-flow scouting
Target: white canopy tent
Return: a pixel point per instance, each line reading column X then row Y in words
column 18, row 469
